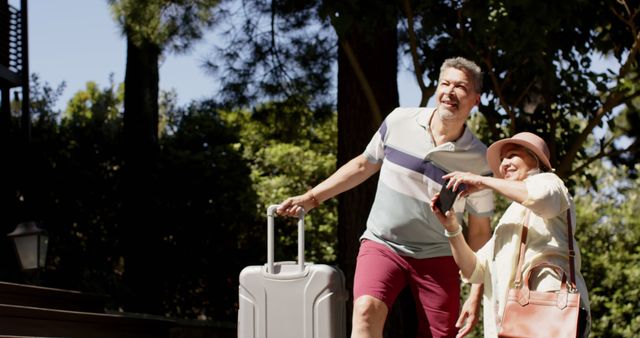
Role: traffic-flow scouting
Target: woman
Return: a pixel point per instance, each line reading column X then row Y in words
column 522, row 173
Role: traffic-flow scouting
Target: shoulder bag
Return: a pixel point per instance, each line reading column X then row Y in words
column 531, row 313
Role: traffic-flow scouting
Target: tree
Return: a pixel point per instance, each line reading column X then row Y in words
column 151, row 27
column 81, row 207
column 206, row 205
column 367, row 92
column 291, row 56
column 538, row 61
column 76, row 165
column 608, row 233
column 537, row 57
column 20, row 190
column 283, row 161
column 206, row 208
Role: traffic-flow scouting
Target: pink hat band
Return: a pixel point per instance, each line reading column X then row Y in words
column 530, row 141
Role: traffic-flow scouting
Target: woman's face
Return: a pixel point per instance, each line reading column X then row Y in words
column 516, row 162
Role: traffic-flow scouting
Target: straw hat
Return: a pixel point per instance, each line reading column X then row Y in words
column 527, row 140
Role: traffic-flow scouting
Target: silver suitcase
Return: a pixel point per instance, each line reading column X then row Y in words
column 291, row 299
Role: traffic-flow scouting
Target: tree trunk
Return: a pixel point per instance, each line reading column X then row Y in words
column 140, row 150
column 141, row 97
column 367, row 91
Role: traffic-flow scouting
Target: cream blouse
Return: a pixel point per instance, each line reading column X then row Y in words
column 547, row 240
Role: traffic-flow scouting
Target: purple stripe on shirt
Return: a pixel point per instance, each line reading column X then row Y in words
column 416, row 164
column 383, row 129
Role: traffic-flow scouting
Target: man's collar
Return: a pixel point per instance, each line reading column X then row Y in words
column 424, row 118
column 463, row 141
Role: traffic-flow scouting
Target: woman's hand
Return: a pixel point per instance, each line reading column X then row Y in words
column 448, row 220
column 471, row 181
column 462, row 253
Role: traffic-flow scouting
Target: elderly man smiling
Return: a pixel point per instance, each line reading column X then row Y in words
column 404, row 245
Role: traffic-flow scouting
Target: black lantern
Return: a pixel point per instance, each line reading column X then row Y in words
column 31, row 245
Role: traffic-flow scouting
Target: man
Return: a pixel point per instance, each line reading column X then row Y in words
column 404, row 244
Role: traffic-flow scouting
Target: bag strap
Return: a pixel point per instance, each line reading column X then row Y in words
column 572, row 253
column 523, row 243
column 523, row 247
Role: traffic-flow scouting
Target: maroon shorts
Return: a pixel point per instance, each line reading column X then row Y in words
column 434, row 282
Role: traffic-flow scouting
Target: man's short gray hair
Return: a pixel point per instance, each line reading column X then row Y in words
column 469, row 67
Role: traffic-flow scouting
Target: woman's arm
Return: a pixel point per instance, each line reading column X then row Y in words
column 513, row 190
column 465, row 257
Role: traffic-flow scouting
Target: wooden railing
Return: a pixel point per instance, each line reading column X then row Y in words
column 32, row 311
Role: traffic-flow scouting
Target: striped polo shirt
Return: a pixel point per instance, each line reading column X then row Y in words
column 411, row 174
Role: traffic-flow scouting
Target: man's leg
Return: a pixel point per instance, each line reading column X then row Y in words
column 436, row 285
column 380, row 276
column 369, row 315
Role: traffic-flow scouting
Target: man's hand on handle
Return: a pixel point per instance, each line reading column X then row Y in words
column 292, row 205
column 346, row 177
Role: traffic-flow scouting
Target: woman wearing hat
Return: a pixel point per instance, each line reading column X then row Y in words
column 523, row 174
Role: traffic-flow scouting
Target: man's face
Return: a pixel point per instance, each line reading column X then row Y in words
column 455, row 95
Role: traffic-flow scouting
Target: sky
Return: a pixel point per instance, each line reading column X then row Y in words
column 76, row 41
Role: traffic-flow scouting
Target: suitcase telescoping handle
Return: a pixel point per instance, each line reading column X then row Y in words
column 270, row 237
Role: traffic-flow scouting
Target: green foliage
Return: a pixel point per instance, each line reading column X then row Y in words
column 96, row 104
column 165, row 23
column 539, row 61
column 216, row 173
column 203, row 200
column 219, row 169
column 72, row 189
column 43, row 98
column 628, row 122
column 206, row 204
column 151, row 27
column 609, row 232
column 290, row 150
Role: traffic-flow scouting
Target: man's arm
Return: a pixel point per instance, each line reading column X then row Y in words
column 469, row 314
column 479, row 231
column 478, row 234
column 346, row 177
